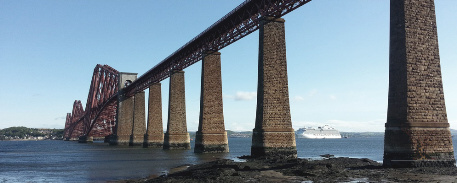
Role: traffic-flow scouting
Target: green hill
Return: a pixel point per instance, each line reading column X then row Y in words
column 24, row 133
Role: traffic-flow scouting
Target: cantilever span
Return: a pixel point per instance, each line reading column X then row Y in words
column 417, row 129
column 98, row 118
column 238, row 23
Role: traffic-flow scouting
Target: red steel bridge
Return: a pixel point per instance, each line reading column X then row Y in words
column 98, row 118
column 417, row 130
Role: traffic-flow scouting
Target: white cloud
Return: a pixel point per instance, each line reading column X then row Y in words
column 332, row 97
column 241, row 96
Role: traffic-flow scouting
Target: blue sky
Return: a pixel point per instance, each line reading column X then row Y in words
column 337, row 53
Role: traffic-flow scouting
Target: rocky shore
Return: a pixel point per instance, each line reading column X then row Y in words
column 302, row 170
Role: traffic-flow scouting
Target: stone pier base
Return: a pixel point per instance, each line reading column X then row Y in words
column 154, row 140
column 107, row 139
column 176, row 141
column 418, row 147
column 274, row 144
column 125, row 121
column 125, row 112
column 139, row 121
column 211, row 136
column 401, row 163
column 85, row 139
column 136, row 140
column 273, row 135
column 74, row 139
column 176, row 136
column 211, row 143
column 417, row 130
column 154, row 134
column 122, row 140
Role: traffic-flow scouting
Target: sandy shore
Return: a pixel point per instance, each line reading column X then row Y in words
column 302, row 170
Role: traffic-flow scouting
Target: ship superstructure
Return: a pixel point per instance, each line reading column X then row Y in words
column 324, row 132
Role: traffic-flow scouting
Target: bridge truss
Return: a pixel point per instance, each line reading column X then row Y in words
column 99, row 117
column 237, row 24
column 98, row 120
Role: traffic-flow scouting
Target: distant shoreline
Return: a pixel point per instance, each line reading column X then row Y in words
column 28, row 139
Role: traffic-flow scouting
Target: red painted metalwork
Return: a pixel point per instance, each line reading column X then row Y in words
column 237, row 24
column 71, row 125
column 98, row 120
column 100, row 112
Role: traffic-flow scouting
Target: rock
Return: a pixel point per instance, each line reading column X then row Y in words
column 302, row 170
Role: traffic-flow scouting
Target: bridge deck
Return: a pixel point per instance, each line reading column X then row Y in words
column 237, row 24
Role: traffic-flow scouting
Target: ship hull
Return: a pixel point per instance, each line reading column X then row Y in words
column 313, row 136
column 324, row 132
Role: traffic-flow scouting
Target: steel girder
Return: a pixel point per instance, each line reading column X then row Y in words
column 99, row 117
column 237, row 24
column 71, row 128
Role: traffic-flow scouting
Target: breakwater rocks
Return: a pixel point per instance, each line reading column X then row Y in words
column 299, row 170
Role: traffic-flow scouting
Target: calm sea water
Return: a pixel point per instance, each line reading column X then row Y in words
column 65, row 161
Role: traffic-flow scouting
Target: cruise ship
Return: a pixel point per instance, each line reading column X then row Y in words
column 324, row 132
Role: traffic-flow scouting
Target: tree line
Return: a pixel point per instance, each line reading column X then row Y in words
column 21, row 132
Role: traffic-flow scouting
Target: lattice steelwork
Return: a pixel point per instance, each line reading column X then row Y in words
column 240, row 22
column 99, row 117
column 71, row 129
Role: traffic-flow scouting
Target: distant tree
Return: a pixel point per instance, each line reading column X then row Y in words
column 58, row 133
column 21, row 132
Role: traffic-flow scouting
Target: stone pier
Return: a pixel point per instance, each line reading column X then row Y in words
column 86, row 139
column 125, row 122
column 139, row 121
column 154, row 135
column 211, row 136
column 176, row 136
column 417, row 130
column 125, row 110
column 273, row 134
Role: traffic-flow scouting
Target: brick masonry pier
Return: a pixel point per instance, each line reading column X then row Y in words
column 176, row 136
column 124, row 112
column 86, row 139
column 139, row 122
column 273, row 134
column 154, row 135
column 417, row 130
column 211, row 136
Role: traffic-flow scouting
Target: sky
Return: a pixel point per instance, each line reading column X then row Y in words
column 337, row 54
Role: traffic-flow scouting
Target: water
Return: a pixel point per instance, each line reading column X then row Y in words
column 63, row 161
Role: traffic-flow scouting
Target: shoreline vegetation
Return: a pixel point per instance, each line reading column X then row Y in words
column 30, row 134
column 341, row 169
column 33, row 134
